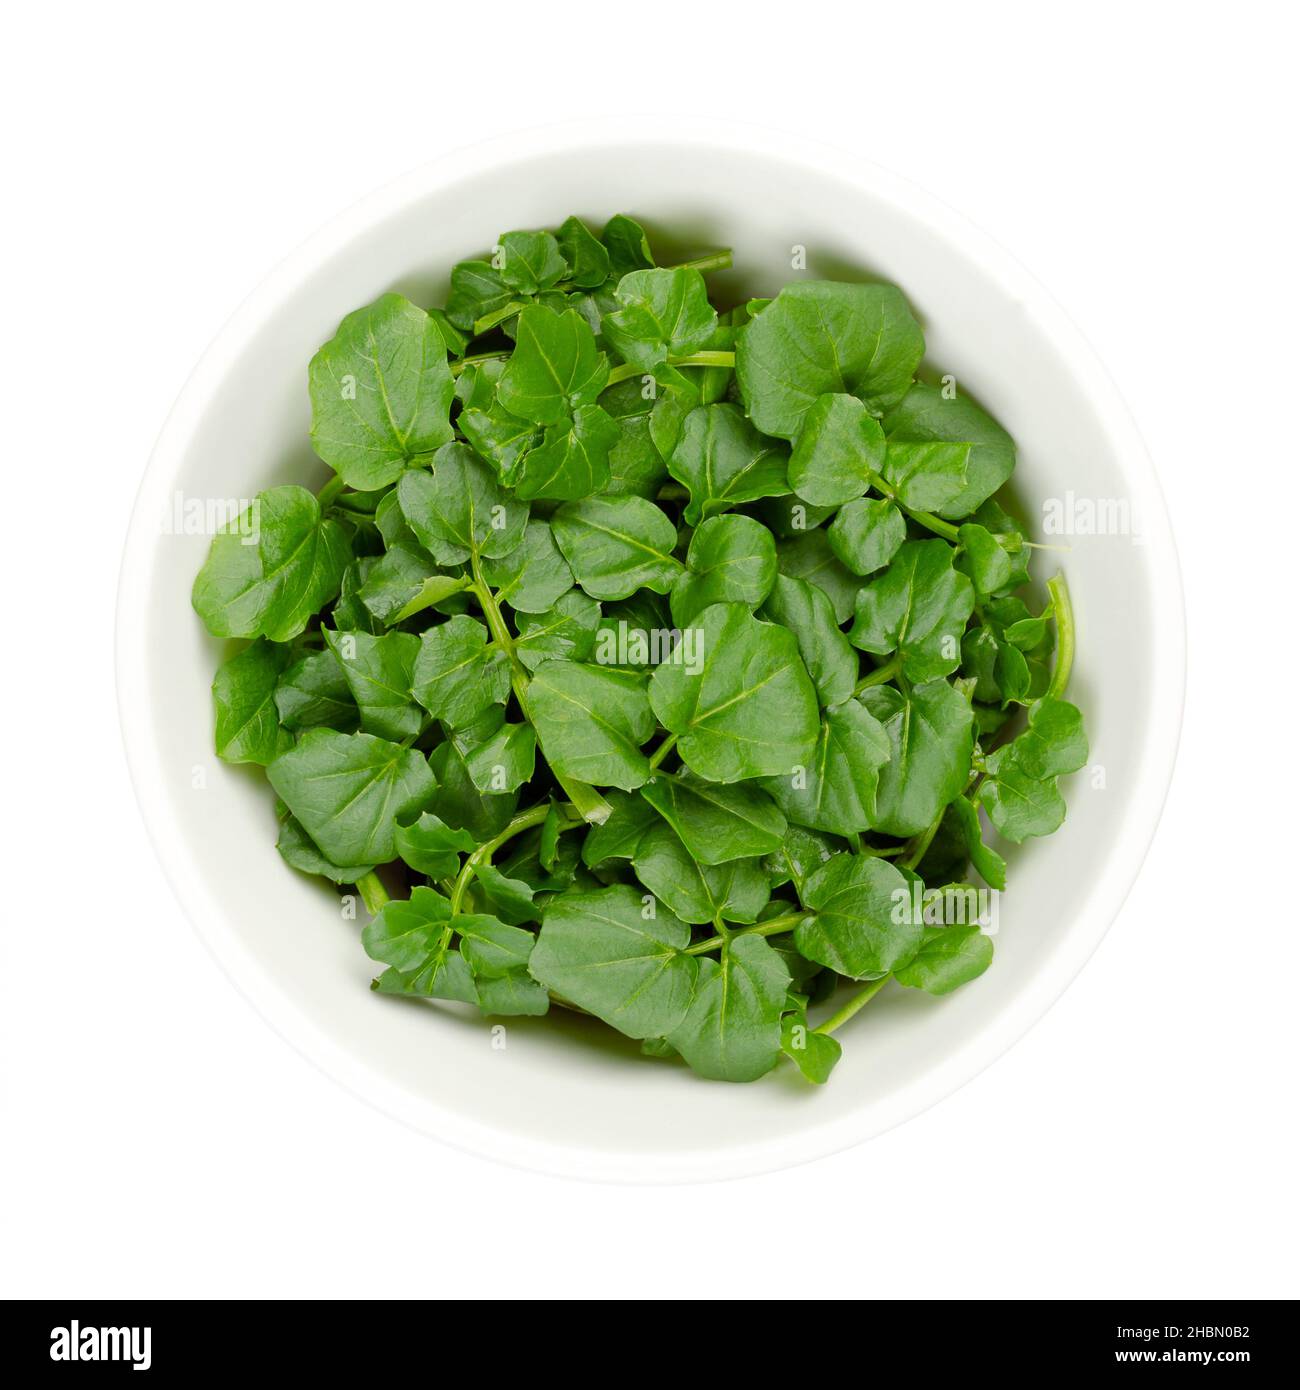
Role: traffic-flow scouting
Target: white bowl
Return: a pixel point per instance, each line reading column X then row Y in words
column 552, row 1099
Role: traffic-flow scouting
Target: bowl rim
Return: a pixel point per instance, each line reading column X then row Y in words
column 1141, row 811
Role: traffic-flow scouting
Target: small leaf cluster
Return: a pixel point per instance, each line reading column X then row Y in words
column 645, row 658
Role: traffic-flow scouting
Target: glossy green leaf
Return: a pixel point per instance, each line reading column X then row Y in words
column 626, row 242
column 314, row 691
column 838, row 453
column 810, row 557
column 983, row 560
column 919, row 607
column 948, row 957
column 866, row 534
column 863, row 924
column 724, row 461
column 808, row 612
column 243, row 692
column 301, row 852
column 587, row 259
column 732, row 559
column 736, row 891
column 457, row 676
column 555, row 367
column 660, row 313
column 592, row 721
column 378, row 672
column 629, row 818
column 617, row 545
column 460, row 508
column 572, row 460
column 430, row 846
column 990, row 865
column 567, row 632
column 531, row 261
column 815, row 1054
column 717, row 823
column 836, row 790
column 533, row 575
column 925, row 475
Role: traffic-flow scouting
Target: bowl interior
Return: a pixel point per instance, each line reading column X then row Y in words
column 550, row 1092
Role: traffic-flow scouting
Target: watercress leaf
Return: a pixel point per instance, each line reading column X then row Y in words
column 566, row 632
column 630, row 816
column 750, row 710
column 501, row 762
column 491, row 947
column 1026, row 634
column 836, row 791
column 445, row 975
column 635, row 465
column 497, row 435
column 1013, row 538
column 948, row 957
column 807, row 612
column 801, row 852
column 925, row 414
column 455, row 340
column 818, row 337
column 617, row 545
column 349, row 789
column 378, row 672
column 510, row 899
column 810, row 557
column 814, row 1053
column 925, row 474
column 313, row 691
column 531, row 261
column 587, row 259
column 931, row 741
column 982, row 559
column 863, row 925
column 555, row 367
column 435, row 591
column 732, row 1030
column 243, row 692
column 628, row 248
column 839, row 451
column 602, row 952
column 736, row 891
column 532, row 577
column 919, row 607
column 301, row 852
column 989, row 864
column 268, row 573
column 514, row 994
column 572, row 460
column 661, row 313
column 477, row 289
column 457, row 676
column 380, row 392
column 460, row 803
column 717, row 823
column 430, row 846
column 1053, row 742
column 591, row 721
column 460, row 508
column 349, row 613
column 404, row 932
column 390, row 583
column 789, row 517
column 1019, row 804
column 636, row 633
column 732, row 559
column 723, row 460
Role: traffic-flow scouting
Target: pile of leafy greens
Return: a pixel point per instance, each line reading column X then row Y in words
column 646, row 659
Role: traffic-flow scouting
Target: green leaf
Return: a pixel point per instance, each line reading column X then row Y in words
column 511, row 899
column 863, row 925
column 924, row 415
column 274, row 585
column 243, row 691
column 814, row 1053
column 839, row 451
column 807, row 612
column 635, row 465
column 817, row 338
column 431, row 847
column 301, row 852
column 810, row 557
column 732, row 559
column 567, row 632
column 625, row 240
column 983, row 559
column 496, row 434
column 456, row 675
column 723, row 460
column 587, row 259
column 736, row 891
column 799, row 855
column 502, row 761
column 460, row 508
column 931, row 740
column 751, row 710
column 378, row 672
column 392, row 582
column 348, row 790
column 513, row 995
column 533, row 576
column 415, row 938
column 531, row 261
column 925, row 475
column 630, row 816
column 555, row 367
column 717, row 823
column 491, row 947
column 918, row 607
column 591, row 721
column 1019, row 804
column 732, row 1030
column 661, row 313
column 617, row 545
column 1054, row 741
column 600, row 951
column 314, row 691
column 572, row 461
column 836, row 791
column 476, row 291
column 948, row 957
column 460, row 803
column 380, row 392
column 990, row 865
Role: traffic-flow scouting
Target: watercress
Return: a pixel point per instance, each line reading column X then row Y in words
column 645, row 656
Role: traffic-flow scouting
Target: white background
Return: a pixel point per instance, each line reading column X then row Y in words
column 157, row 1139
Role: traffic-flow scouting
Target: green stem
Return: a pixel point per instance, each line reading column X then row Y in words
column 769, row 928
column 330, row 491
column 506, row 311
column 458, row 367
column 927, row 519
column 373, row 893
column 863, row 996
column 1060, row 593
column 626, row 370
column 880, row 675
column 662, row 751
column 525, row 820
column 715, row 260
column 590, row 804
column 918, row 844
